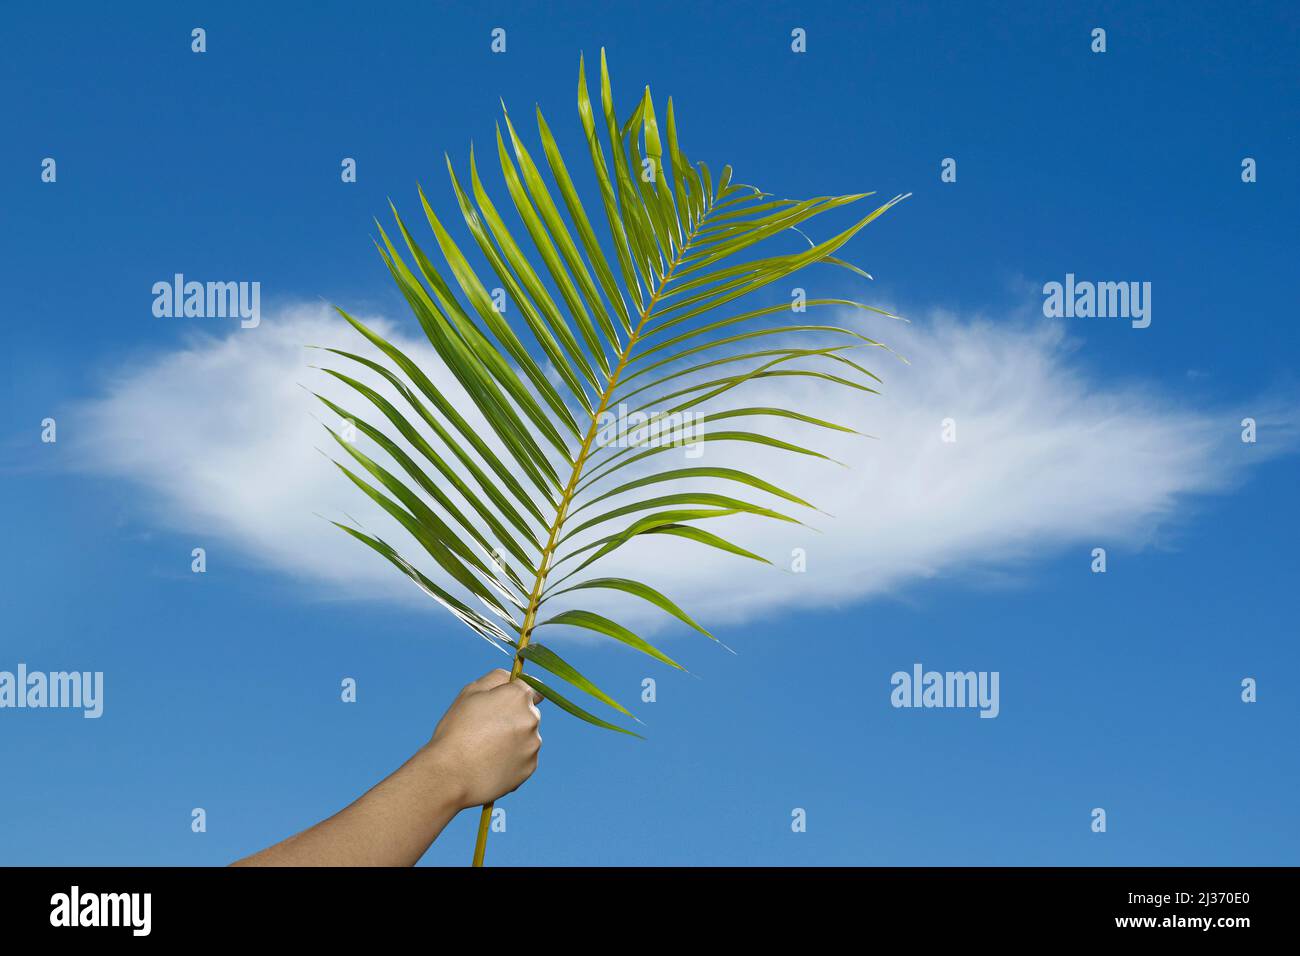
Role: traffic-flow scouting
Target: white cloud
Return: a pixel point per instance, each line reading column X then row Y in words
column 223, row 440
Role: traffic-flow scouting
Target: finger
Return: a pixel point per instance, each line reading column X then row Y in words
column 492, row 679
column 519, row 689
column 532, row 696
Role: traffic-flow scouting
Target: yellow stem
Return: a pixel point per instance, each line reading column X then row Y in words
column 534, row 599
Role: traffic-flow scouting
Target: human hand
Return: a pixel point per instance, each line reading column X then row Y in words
column 487, row 742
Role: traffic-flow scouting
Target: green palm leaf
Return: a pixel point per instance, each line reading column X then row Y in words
column 489, row 481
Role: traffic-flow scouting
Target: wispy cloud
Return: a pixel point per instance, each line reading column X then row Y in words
column 223, row 442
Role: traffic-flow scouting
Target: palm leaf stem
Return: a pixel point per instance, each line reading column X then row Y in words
column 562, row 507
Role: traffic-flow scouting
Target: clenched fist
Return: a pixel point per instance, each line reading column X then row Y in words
column 484, row 747
column 488, row 738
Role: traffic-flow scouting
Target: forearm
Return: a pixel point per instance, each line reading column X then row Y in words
column 393, row 824
column 484, row 747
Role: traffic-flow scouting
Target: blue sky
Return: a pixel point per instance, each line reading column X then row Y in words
column 1118, row 691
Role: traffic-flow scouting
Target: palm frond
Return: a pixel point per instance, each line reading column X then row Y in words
column 509, row 495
